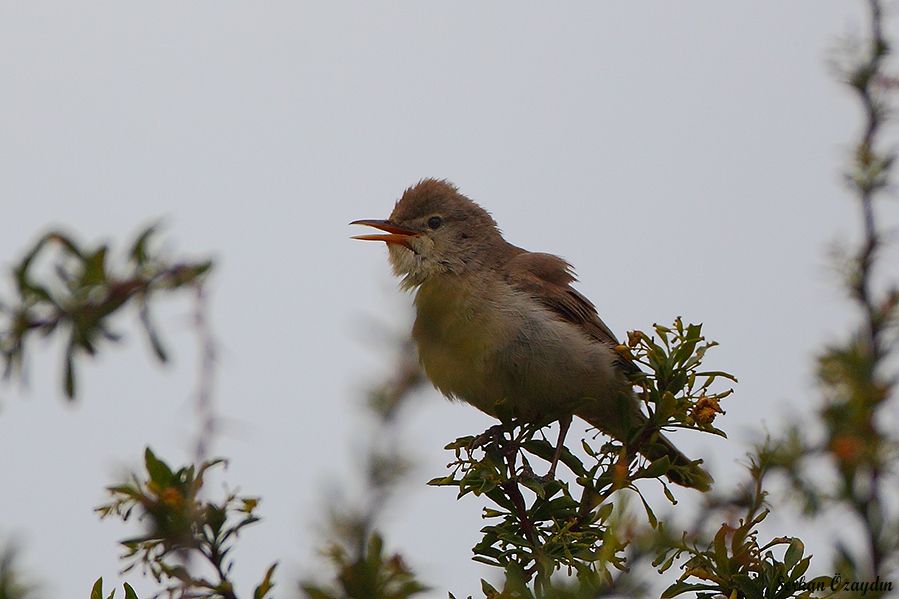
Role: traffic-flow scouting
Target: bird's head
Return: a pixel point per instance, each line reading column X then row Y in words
column 434, row 229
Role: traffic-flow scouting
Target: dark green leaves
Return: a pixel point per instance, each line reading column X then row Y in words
column 178, row 522
column 734, row 562
column 79, row 295
column 97, row 591
column 676, row 392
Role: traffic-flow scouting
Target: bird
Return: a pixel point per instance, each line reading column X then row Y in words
column 504, row 329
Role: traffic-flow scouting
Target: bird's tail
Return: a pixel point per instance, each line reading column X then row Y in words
column 686, row 473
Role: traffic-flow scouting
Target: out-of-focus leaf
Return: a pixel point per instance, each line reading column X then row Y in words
column 69, row 374
column 266, row 585
column 150, row 331
column 158, row 470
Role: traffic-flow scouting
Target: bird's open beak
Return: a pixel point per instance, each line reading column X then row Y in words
column 395, row 234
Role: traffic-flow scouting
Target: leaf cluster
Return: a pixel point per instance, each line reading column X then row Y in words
column 80, row 295
column 675, row 390
column 361, row 567
column 12, row 583
column 372, row 573
column 180, row 525
column 733, row 562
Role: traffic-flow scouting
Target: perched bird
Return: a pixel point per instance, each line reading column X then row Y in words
column 497, row 323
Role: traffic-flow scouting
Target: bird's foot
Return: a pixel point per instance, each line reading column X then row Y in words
column 494, row 433
column 545, row 478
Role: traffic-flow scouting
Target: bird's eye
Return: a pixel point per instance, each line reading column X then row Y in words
column 434, row 222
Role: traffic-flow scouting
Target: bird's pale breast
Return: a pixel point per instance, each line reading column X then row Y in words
column 483, row 341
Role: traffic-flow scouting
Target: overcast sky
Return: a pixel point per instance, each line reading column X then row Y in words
column 685, row 157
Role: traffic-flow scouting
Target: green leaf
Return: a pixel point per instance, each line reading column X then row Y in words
column 655, row 469
column 486, row 560
column 97, row 590
column 793, row 553
column 800, row 569
column 603, row 513
column 266, row 585
column 95, row 267
column 442, row 481
column 668, row 494
column 721, row 546
column 679, row 588
column 664, row 566
column 139, row 249
column 534, row 486
column 152, row 335
column 720, row 373
column 215, row 518
column 460, row 443
column 488, row 589
column 69, row 374
column 540, row 448
column 315, row 592
column 158, row 470
column 201, row 268
column 667, row 405
column 129, row 592
column 653, row 521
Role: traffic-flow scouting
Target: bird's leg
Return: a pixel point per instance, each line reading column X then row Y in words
column 564, row 423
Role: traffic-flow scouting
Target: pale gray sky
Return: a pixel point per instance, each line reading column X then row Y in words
column 683, row 156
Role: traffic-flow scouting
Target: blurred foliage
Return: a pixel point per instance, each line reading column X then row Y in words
column 81, row 293
column 355, row 548
column 12, row 583
column 858, row 443
column 181, row 527
column 369, row 573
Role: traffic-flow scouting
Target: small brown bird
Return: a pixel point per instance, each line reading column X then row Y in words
column 497, row 323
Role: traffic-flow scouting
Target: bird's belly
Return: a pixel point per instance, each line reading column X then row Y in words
column 514, row 359
column 458, row 361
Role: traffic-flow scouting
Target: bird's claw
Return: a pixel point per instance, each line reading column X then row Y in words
column 494, row 433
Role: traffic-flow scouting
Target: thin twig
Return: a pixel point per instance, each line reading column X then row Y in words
column 205, row 378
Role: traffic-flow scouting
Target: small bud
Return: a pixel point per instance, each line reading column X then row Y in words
column 634, row 338
column 847, row 448
column 625, row 351
column 620, row 470
column 171, row 497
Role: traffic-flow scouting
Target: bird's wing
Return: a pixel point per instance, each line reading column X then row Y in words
column 548, row 279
